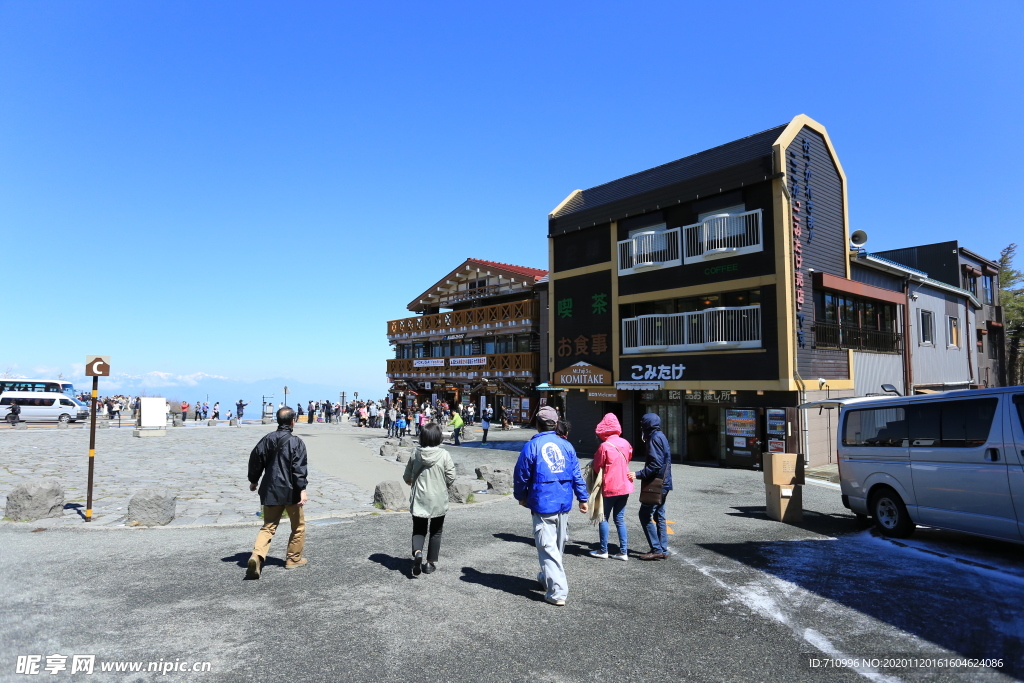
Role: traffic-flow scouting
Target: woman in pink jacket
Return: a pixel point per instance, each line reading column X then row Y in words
column 612, row 460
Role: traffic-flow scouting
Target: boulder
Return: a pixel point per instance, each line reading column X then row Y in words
column 393, row 441
column 407, row 441
column 460, row 491
column 152, row 507
column 405, row 454
column 268, row 420
column 35, row 500
column 391, row 495
column 483, row 472
column 461, row 469
column 388, row 450
column 501, row 482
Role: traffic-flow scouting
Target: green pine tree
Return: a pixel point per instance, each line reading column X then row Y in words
column 1011, row 297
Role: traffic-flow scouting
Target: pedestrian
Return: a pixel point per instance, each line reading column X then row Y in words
column 327, row 412
column 206, row 409
column 430, row 472
column 611, row 462
column 400, row 425
column 278, row 465
column 298, row 405
column 657, row 465
column 216, row 410
column 485, row 424
column 184, row 411
column 470, row 414
column 547, row 476
column 197, row 411
column 416, row 420
column 456, row 425
column 14, row 412
column 312, row 410
column 241, row 408
column 229, row 416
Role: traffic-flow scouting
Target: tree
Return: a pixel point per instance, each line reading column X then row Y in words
column 1011, row 297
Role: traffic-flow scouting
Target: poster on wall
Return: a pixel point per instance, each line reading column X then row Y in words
column 543, row 401
column 741, row 423
column 525, row 404
column 515, row 404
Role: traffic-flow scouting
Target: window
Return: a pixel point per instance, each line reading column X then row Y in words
column 971, row 283
column 66, row 402
column 986, row 283
column 522, row 344
column 927, row 328
column 993, row 345
column 875, row 428
column 951, row 424
column 1018, row 400
column 952, row 331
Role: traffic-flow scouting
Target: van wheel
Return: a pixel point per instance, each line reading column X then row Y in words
column 64, row 419
column 891, row 516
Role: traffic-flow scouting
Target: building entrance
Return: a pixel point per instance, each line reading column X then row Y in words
column 702, row 432
column 671, row 426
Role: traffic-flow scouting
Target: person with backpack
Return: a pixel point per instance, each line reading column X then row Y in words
column 430, row 472
column 278, row 466
column 611, row 462
column 657, row 466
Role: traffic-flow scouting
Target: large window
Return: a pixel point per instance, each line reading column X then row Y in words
column 847, row 322
column 926, row 330
column 952, row 331
column 986, row 283
column 875, row 427
column 951, row 424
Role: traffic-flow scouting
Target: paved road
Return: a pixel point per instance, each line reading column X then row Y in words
column 742, row 599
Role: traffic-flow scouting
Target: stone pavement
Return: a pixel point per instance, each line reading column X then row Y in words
column 205, row 466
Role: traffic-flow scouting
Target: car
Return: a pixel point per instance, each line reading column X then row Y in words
column 39, row 406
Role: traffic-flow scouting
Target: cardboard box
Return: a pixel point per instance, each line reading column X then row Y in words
column 784, row 503
column 783, row 469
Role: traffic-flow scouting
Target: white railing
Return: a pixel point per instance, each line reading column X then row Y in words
column 737, row 327
column 649, row 250
column 725, row 234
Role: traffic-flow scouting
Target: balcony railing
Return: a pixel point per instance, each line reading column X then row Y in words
column 494, row 365
column 736, row 327
column 649, row 250
column 509, row 316
column 840, row 337
column 479, row 293
column 723, row 235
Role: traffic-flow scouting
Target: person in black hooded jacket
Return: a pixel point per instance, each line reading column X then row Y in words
column 658, row 464
column 280, row 459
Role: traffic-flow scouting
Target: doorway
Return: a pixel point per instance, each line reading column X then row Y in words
column 671, row 415
column 702, row 432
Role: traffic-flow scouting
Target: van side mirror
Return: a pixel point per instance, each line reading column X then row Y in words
column 890, row 389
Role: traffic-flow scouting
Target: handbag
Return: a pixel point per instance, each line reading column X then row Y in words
column 651, row 489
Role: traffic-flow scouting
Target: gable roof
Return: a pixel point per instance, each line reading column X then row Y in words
column 535, row 273
column 508, row 271
column 736, row 152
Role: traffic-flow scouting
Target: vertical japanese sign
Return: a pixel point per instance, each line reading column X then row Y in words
column 95, row 367
column 802, row 197
column 583, row 320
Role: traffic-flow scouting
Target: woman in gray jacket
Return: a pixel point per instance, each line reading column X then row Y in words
column 430, row 472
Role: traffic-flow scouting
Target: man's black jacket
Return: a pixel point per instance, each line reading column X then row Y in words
column 280, row 457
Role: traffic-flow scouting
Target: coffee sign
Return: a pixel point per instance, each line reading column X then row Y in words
column 583, row 374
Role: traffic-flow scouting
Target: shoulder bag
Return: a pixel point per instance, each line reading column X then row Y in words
column 650, row 489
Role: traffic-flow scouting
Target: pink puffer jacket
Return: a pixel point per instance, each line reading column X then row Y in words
column 613, row 457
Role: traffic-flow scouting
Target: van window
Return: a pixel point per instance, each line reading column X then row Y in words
column 66, row 402
column 1018, row 400
column 875, row 427
column 952, row 424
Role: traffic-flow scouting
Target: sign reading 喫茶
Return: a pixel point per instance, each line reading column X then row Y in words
column 583, row 374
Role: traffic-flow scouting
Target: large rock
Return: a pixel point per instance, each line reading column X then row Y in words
column 460, row 491
column 388, row 450
column 483, row 471
column 405, row 454
column 500, row 482
column 391, row 495
column 152, row 507
column 461, row 469
column 407, row 441
column 393, row 440
column 35, row 500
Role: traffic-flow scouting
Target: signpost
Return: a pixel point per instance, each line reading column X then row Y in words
column 95, row 367
column 286, row 396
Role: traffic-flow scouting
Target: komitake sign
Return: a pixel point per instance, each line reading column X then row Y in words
column 583, row 374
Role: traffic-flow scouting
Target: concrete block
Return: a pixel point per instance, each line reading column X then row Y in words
column 211, row 423
column 268, row 420
column 233, row 422
column 21, row 425
column 63, row 425
column 391, row 495
column 147, row 432
column 35, row 500
column 177, row 421
column 152, row 507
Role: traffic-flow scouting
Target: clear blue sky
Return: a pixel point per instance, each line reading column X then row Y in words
column 251, row 189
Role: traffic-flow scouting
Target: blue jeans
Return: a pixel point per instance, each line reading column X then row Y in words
column 455, row 435
column 615, row 505
column 652, row 518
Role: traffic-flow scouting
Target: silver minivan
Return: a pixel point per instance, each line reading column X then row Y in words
column 953, row 460
column 43, row 406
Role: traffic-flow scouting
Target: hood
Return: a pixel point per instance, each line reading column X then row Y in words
column 608, row 426
column 431, row 456
column 650, row 422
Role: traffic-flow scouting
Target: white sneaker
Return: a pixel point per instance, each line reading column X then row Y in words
column 621, row 556
column 554, row 601
column 599, row 554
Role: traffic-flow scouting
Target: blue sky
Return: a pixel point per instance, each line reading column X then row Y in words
column 251, row 189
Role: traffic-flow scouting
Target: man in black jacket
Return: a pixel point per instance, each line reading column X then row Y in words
column 280, row 458
column 658, row 464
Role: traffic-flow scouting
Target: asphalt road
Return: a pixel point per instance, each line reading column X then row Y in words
column 743, row 599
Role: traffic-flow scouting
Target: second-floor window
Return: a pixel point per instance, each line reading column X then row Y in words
column 986, row 283
column 926, row 329
column 848, row 322
column 952, row 331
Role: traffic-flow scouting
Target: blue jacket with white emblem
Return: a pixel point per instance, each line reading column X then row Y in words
column 548, row 474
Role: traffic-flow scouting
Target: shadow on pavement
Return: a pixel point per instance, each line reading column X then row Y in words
column 402, row 565
column 515, row 585
column 901, row 586
column 242, row 560
column 515, row 538
column 817, row 522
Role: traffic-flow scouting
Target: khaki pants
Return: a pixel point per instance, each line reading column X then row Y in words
column 271, row 518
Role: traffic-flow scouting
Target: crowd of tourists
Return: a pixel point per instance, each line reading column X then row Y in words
column 547, row 480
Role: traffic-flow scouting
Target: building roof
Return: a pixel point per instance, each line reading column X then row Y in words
column 736, row 152
column 470, row 269
column 535, row 273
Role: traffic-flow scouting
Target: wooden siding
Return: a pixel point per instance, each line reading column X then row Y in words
column 482, row 319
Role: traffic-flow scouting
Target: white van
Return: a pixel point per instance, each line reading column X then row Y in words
column 43, row 406
column 953, row 460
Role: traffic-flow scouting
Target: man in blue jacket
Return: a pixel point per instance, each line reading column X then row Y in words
column 658, row 464
column 546, row 477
